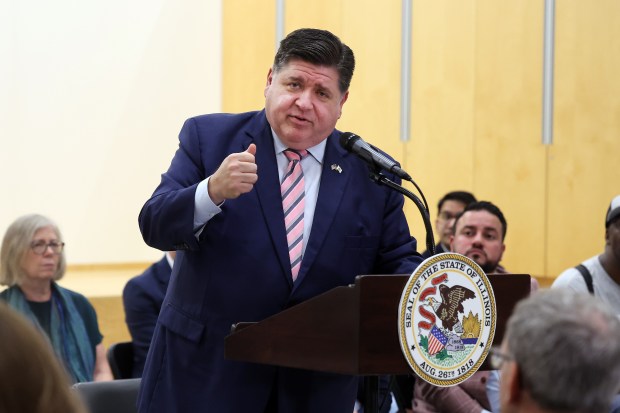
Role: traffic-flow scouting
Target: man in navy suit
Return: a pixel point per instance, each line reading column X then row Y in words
column 143, row 297
column 220, row 206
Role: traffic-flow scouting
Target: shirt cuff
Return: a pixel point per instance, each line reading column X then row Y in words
column 204, row 208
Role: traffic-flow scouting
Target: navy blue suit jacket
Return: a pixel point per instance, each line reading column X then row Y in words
column 239, row 270
column 143, row 297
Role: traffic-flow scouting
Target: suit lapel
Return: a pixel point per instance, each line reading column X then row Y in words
column 331, row 191
column 268, row 191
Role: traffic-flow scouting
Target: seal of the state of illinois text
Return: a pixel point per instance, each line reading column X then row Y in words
column 446, row 319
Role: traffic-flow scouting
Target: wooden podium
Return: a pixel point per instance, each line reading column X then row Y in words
column 350, row 330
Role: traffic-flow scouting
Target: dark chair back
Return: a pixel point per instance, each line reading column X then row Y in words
column 115, row 396
column 120, row 357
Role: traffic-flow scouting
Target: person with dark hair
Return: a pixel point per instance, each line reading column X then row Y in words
column 32, row 259
column 265, row 210
column 479, row 233
column 448, row 208
column 33, row 380
column 560, row 353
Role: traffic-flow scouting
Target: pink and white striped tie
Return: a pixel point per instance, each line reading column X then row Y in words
column 293, row 205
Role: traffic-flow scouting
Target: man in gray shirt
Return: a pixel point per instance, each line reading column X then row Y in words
column 604, row 269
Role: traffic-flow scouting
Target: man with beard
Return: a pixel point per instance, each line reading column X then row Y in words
column 479, row 233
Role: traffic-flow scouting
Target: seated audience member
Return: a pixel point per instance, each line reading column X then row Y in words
column 451, row 205
column 603, row 270
column 32, row 379
column 143, row 297
column 31, row 261
column 560, row 353
column 479, row 233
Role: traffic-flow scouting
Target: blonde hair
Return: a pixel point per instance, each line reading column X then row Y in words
column 16, row 244
column 32, row 378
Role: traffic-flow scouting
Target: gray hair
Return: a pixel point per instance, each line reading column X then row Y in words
column 567, row 347
column 16, row 244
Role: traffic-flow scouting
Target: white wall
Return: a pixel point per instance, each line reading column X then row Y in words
column 92, row 97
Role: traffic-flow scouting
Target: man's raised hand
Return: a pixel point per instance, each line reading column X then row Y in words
column 235, row 176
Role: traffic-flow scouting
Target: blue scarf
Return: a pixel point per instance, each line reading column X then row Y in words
column 68, row 332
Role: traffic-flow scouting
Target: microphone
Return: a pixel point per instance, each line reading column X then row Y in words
column 371, row 155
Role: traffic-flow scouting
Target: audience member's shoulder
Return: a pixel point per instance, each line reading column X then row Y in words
column 75, row 295
column 570, row 278
column 82, row 304
column 133, row 285
column 142, row 279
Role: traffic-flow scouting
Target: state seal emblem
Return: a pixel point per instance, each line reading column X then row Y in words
column 446, row 319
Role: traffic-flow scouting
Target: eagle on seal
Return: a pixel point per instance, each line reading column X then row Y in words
column 451, row 304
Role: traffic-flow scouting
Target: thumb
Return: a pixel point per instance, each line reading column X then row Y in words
column 251, row 149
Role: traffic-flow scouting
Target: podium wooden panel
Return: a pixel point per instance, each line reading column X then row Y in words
column 351, row 329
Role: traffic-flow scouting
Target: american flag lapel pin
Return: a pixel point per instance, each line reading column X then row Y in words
column 337, row 168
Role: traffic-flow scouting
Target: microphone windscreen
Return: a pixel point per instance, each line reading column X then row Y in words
column 347, row 139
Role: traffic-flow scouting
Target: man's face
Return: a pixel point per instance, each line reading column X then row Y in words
column 303, row 103
column 445, row 220
column 612, row 240
column 478, row 235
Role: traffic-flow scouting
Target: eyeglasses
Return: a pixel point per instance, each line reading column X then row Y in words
column 448, row 216
column 39, row 247
column 498, row 358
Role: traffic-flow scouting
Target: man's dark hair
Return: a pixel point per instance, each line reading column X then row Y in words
column 484, row 206
column 318, row 47
column 463, row 197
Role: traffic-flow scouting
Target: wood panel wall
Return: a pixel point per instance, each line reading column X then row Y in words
column 476, row 106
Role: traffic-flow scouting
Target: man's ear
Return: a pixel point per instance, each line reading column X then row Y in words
column 269, row 80
column 513, row 385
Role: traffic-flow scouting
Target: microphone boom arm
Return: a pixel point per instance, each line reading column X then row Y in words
column 381, row 179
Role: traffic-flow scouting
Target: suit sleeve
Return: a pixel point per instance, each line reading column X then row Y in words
column 167, row 218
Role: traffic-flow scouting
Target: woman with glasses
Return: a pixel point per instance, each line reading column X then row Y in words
column 32, row 259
